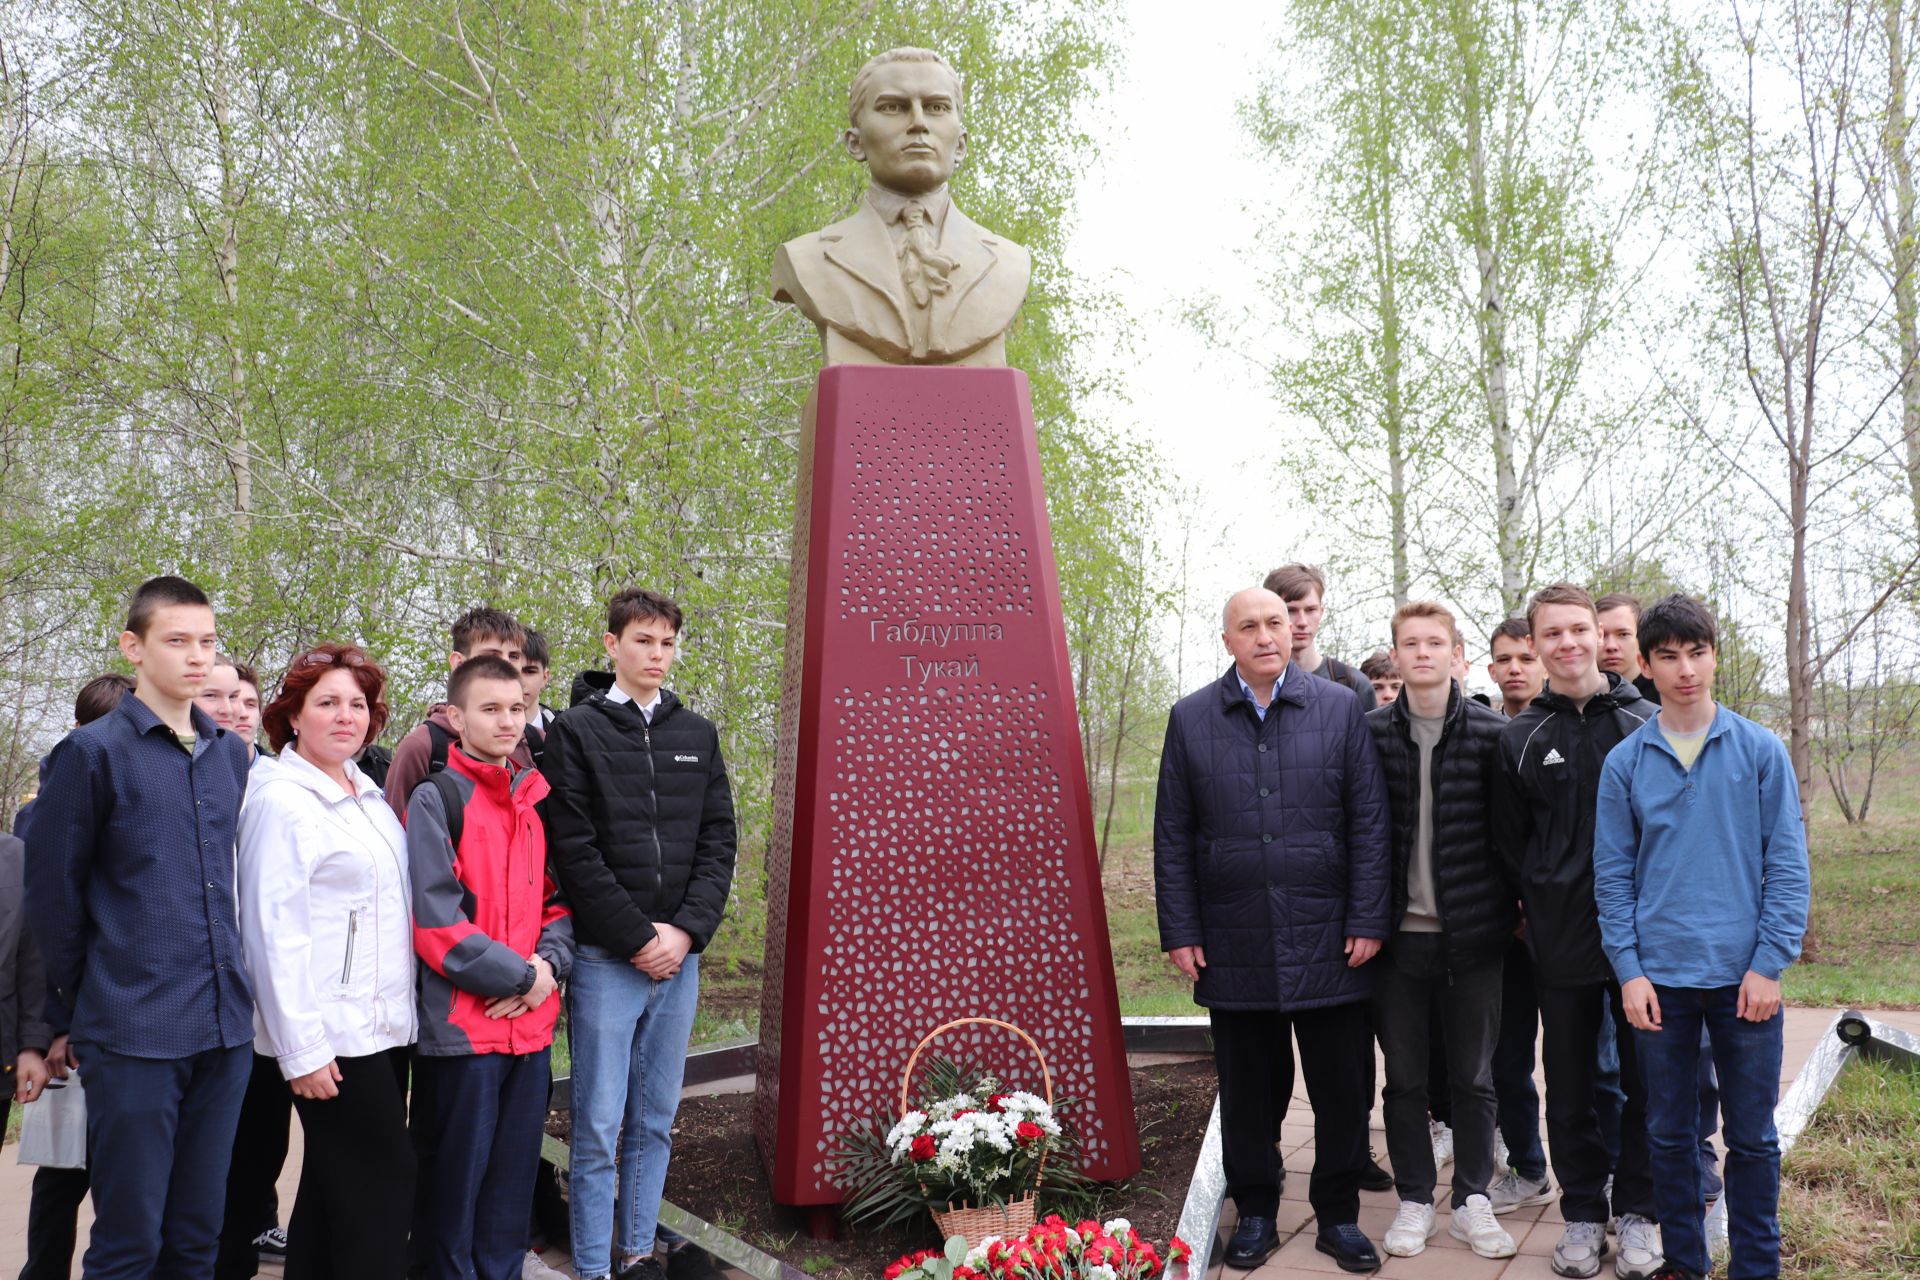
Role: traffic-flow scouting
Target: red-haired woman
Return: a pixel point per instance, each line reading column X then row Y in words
column 325, row 921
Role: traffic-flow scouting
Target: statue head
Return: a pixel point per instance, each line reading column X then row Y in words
column 903, row 113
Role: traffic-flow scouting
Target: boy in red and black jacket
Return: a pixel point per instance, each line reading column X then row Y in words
column 495, row 941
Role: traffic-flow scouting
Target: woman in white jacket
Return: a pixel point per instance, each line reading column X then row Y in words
column 324, row 919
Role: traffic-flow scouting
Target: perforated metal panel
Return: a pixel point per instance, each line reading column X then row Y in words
column 933, row 849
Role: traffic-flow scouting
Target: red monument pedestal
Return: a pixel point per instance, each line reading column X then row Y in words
column 933, row 853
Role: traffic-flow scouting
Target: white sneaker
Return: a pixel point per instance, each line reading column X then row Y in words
column 1442, row 1138
column 532, row 1268
column 1474, row 1223
column 1641, row 1253
column 1412, row 1227
column 1581, row 1247
column 1510, row 1191
column 1500, row 1155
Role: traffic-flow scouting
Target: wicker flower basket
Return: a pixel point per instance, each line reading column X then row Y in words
column 1016, row 1217
column 1009, row 1221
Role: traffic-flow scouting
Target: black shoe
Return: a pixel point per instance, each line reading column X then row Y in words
column 1374, row 1178
column 1348, row 1245
column 1254, row 1241
column 644, row 1268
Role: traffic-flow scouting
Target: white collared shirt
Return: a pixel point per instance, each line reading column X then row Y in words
column 1258, row 710
column 617, row 694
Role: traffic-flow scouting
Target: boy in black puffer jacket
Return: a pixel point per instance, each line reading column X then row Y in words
column 1453, row 912
column 640, row 828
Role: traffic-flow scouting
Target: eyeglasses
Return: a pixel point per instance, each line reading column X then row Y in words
column 351, row 658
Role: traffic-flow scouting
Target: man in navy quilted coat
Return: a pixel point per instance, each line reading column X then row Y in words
column 1272, row 875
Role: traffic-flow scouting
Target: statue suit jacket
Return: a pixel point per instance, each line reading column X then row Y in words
column 846, row 278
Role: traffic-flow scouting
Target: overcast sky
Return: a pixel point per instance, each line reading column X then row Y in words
column 1169, row 211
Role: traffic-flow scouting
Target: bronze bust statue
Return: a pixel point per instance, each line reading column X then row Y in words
column 908, row 279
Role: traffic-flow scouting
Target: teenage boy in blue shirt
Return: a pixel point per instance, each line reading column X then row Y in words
column 130, row 888
column 1700, row 872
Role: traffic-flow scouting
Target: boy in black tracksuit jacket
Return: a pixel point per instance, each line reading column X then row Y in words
column 641, row 833
column 1545, row 794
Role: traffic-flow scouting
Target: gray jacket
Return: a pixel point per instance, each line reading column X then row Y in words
column 23, row 974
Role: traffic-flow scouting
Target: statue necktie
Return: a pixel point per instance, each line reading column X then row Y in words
column 923, row 268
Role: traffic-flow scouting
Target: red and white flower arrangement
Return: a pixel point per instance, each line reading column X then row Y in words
column 1052, row 1250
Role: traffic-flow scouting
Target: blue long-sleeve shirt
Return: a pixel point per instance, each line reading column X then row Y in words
column 130, row 884
column 1701, row 874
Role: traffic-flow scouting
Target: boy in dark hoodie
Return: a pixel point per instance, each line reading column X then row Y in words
column 1545, row 797
column 475, row 632
column 640, row 828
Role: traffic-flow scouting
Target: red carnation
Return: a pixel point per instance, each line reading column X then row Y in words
column 997, row 1103
column 923, row 1148
column 1179, row 1250
column 1026, row 1131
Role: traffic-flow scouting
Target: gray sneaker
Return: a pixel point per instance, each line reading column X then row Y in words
column 1641, row 1253
column 1581, row 1247
column 1511, row 1191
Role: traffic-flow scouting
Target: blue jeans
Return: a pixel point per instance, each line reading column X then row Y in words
column 629, row 1040
column 1747, row 1056
column 159, row 1135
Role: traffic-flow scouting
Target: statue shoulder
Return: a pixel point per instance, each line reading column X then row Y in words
column 797, row 263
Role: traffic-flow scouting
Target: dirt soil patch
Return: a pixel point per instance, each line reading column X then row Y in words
column 716, row 1174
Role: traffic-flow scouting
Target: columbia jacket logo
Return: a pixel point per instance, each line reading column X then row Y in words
column 1553, row 756
column 686, row 759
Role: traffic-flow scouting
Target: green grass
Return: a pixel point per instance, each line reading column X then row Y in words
column 1849, row 1186
column 1863, row 936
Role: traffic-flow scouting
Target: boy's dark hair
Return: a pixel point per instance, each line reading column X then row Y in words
column 1293, row 581
column 487, row 666
column 481, row 623
column 245, row 671
column 1512, row 629
column 534, row 649
column 1677, row 619
column 157, row 593
column 636, row 604
column 1561, row 593
column 99, row 696
column 1379, row 666
column 1618, row 600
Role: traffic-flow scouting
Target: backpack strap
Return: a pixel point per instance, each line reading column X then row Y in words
column 536, row 744
column 437, row 755
column 452, row 801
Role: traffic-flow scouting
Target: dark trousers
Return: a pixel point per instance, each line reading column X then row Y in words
column 1250, row 1049
column 1439, row 1092
column 1747, row 1055
column 1517, row 1099
column 1411, row 985
column 159, row 1135
column 1570, row 1025
column 53, row 1218
column 1610, row 1102
column 259, row 1152
column 477, row 1123
column 351, row 1215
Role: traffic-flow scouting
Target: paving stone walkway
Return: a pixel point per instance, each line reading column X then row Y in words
column 1535, row 1230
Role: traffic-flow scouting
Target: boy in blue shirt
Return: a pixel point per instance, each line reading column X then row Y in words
column 1700, row 872
column 130, row 887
